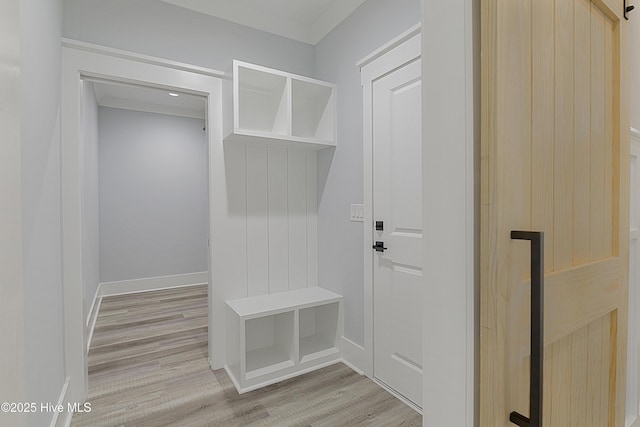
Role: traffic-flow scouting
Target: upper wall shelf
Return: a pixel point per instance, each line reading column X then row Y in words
column 275, row 107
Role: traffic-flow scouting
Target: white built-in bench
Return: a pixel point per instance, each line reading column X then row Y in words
column 278, row 336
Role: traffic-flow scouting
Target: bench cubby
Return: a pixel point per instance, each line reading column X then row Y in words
column 278, row 336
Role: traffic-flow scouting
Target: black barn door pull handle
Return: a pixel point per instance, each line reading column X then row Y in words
column 537, row 329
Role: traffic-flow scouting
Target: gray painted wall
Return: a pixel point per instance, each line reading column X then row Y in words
column 195, row 38
column 180, row 35
column 41, row 26
column 340, row 252
column 90, row 218
column 12, row 363
column 160, row 29
column 153, row 195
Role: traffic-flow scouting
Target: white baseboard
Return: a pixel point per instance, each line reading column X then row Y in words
column 92, row 316
column 62, row 419
column 354, row 356
column 139, row 285
column 153, row 283
column 95, row 309
column 398, row 396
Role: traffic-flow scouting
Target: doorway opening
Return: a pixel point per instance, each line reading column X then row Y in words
column 146, row 216
column 129, row 72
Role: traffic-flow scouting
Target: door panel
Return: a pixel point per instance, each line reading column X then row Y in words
column 397, row 201
column 554, row 159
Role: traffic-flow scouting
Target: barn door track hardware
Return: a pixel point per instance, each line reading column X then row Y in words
column 627, row 9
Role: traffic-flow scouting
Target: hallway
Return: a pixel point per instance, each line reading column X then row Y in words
column 148, row 367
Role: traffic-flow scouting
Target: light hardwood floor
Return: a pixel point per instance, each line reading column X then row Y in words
column 148, row 367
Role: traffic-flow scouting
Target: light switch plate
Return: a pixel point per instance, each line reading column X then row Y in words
column 357, row 213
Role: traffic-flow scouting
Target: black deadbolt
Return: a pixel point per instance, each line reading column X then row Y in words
column 379, row 246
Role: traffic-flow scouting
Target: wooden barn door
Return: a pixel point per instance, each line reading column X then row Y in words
column 555, row 158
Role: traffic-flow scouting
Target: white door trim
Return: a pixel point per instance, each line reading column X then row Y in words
column 99, row 62
column 401, row 50
column 450, row 84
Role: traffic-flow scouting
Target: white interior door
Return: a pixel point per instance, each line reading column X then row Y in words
column 397, row 203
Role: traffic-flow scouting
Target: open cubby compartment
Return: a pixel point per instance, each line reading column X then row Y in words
column 319, row 331
column 276, row 336
column 279, row 108
column 262, row 100
column 269, row 345
column 313, row 110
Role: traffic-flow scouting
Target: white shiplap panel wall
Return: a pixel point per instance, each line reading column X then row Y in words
column 269, row 211
column 312, row 218
column 271, row 228
column 234, row 278
column 257, row 221
column 297, row 213
column 278, row 219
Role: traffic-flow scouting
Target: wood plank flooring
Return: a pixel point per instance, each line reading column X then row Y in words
column 148, row 367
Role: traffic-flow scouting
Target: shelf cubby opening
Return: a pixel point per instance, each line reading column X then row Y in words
column 318, row 329
column 269, row 344
column 313, row 111
column 262, row 101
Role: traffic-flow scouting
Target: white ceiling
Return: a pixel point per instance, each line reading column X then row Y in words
column 147, row 99
column 307, row 21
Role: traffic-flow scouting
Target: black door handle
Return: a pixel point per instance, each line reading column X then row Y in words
column 537, row 329
column 379, row 246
